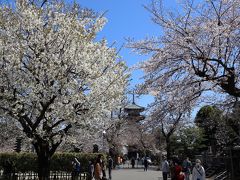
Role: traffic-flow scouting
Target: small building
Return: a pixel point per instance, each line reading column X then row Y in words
column 133, row 112
column 133, row 116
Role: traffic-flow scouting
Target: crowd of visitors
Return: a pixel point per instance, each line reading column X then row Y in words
column 97, row 169
column 181, row 171
column 171, row 169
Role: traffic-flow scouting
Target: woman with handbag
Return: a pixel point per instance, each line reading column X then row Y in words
column 198, row 172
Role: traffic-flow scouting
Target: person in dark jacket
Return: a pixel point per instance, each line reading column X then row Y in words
column 133, row 162
column 145, row 162
column 110, row 167
column 187, row 165
column 76, row 168
column 90, row 170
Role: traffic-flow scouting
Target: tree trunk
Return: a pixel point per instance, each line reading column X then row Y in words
column 168, row 148
column 44, row 156
column 43, row 167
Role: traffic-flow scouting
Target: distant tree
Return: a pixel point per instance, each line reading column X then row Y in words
column 220, row 128
column 233, row 119
column 210, row 118
column 54, row 74
column 9, row 133
column 169, row 114
column 141, row 134
column 188, row 141
column 228, row 133
column 115, row 128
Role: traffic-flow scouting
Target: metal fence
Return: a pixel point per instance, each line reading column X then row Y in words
column 34, row 176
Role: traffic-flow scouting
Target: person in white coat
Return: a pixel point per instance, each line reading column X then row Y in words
column 165, row 168
column 198, row 172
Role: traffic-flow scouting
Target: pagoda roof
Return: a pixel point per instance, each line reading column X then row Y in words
column 134, row 106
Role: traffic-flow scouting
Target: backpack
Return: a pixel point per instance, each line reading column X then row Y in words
column 77, row 167
column 186, row 166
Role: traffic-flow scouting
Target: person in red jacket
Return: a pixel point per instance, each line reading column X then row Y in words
column 177, row 169
column 179, row 175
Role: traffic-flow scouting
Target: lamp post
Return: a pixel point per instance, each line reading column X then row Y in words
column 103, row 144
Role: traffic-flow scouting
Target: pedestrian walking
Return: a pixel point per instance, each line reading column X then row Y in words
column 198, row 172
column 110, row 167
column 76, row 168
column 187, row 165
column 133, row 162
column 145, row 162
column 103, row 167
column 91, row 170
column 98, row 172
column 177, row 170
column 165, row 168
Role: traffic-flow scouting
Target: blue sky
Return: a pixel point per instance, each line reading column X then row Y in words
column 127, row 18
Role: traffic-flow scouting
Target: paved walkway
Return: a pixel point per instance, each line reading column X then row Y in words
column 137, row 174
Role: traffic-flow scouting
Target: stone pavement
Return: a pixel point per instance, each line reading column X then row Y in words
column 137, row 174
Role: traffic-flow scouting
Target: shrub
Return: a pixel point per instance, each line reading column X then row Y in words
column 24, row 162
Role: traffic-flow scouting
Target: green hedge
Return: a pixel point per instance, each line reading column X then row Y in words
column 24, row 162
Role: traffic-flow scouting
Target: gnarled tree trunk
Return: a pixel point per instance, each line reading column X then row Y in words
column 44, row 155
column 168, row 148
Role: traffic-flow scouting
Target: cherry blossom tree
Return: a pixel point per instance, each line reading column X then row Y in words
column 199, row 47
column 54, row 73
column 106, row 133
column 170, row 110
column 197, row 51
column 169, row 118
column 114, row 129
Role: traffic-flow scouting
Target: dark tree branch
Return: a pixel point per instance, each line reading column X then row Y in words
column 44, row 109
